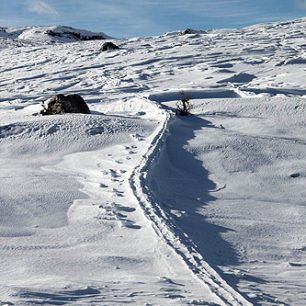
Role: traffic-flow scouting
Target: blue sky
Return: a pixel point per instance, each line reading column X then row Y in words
column 128, row 18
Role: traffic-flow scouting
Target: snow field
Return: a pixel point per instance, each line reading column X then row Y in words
column 133, row 205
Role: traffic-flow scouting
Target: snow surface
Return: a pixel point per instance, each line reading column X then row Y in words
column 133, row 204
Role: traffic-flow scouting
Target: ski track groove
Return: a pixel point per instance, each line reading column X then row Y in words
column 176, row 239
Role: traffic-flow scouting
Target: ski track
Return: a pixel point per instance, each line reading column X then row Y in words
column 172, row 235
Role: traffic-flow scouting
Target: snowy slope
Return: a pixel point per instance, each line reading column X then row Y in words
column 50, row 34
column 132, row 204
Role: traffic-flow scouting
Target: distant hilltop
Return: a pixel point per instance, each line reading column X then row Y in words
column 63, row 34
column 51, row 34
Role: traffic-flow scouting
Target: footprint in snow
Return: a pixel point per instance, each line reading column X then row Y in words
column 297, row 265
column 140, row 113
column 96, row 131
column 167, row 280
column 107, row 216
column 117, row 212
column 130, row 224
column 302, row 249
column 138, row 137
column 121, row 216
column 118, row 192
column 53, row 129
column 114, row 173
column 120, row 207
column 295, row 175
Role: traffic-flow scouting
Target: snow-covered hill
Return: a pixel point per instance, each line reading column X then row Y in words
column 51, row 34
column 133, row 204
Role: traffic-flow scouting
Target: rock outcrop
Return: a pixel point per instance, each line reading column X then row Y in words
column 61, row 104
column 192, row 31
column 107, row 46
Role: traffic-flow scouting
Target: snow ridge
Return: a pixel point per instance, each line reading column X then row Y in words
column 168, row 232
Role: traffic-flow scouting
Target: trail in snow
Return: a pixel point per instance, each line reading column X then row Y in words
column 168, row 231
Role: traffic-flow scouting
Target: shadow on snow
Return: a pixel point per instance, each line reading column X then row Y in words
column 181, row 185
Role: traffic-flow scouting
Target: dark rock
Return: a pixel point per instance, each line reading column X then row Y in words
column 61, row 104
column 76, row 36
column 107, row 46
column 295, row 175
column 191, row 31
column 187, row 31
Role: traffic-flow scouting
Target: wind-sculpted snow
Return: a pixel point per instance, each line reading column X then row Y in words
column 131, row 204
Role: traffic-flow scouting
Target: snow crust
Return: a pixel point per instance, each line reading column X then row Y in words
column 133, row 204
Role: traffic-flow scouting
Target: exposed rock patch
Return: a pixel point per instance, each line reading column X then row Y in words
column 192, row 31
column 72, row 34
column 108, row 46
column 61, row 104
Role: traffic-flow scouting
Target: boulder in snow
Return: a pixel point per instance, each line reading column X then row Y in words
column 107, row 46
column 191, row 31
column 61, row 104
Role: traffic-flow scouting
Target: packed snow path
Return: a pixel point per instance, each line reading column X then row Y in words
column 129, row 206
